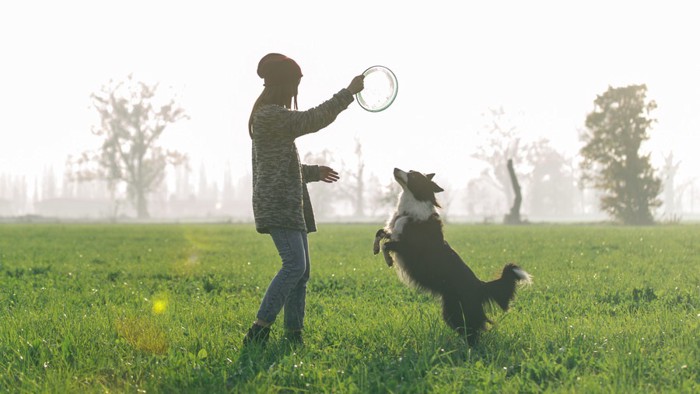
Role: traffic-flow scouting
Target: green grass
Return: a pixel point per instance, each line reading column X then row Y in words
column 163, row 308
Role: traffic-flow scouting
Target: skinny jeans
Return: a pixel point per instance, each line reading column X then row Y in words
column 288, row 288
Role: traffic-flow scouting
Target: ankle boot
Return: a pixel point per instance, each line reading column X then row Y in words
column 294, row 337
column 257, row 334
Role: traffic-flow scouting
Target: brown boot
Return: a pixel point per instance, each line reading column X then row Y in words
column 257, row 334
column 294, row 337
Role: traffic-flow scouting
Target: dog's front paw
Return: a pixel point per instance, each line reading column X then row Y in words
column 381, row 234
column 390, row 246
column 387, row 257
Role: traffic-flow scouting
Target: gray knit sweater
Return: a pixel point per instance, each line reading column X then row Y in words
column 280, row 197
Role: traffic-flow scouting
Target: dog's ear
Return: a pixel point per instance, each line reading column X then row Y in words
column 430, row 176
column 436, row 188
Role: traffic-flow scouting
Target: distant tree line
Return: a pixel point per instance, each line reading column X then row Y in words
column 613, row 175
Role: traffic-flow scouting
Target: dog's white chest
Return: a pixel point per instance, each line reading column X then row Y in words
column 397, row 226
column 408, row 209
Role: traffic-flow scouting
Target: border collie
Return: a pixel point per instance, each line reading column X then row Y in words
column 413, row 238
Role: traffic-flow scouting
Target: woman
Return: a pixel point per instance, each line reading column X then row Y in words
column 281, row 203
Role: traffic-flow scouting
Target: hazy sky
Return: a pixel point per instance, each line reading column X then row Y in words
column 543, row 61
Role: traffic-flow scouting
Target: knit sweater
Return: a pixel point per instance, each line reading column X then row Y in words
column 280, row 196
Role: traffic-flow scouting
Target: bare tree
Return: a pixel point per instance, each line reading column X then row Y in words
column 502, row 144
column 668, row 174
column 513, row 217
column 322, row 197
column 48, row 184
column 228, row 193
column 552, row 188
column 353, row 189
column 387, row 196
column 446, row 200
column 132, row 121
column 375, row 194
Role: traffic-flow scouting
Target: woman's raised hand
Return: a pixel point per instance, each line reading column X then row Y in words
column 357, row 84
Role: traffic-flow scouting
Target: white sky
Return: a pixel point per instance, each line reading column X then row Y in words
column 543, row 61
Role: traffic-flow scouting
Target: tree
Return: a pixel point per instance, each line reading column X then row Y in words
column 387, row 195
column 228, row 194
column 513, row 217
column 612, row 161
column 482, row 198
column 376, row 203
column 551, row 189
column 353, row 189
column 668, row 173
column 502, row 144
column 323, row 198
column 131, row 122
column 48, row 189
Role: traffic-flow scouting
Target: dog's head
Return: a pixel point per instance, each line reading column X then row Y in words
column 420, row 186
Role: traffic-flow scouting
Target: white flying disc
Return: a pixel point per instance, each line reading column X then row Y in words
column 381, row 87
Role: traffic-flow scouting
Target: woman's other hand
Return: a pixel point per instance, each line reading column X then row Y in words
column 328, row 174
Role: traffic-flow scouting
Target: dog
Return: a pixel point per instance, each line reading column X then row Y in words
column 414, row 240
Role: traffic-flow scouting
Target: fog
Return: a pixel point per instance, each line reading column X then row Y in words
column 533, row 69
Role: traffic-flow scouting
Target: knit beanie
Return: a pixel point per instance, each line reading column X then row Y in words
column 277, row 69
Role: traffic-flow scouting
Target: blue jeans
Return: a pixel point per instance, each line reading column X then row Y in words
column 288, row 288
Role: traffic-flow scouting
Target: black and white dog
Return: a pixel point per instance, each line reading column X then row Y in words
column 413, row 238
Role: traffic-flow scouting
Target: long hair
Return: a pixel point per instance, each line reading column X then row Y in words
column 282, row 95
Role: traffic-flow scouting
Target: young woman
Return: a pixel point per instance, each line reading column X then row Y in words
column 281, row 203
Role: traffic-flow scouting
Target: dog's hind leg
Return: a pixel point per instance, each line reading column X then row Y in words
column 465, row 318
column 453, row 314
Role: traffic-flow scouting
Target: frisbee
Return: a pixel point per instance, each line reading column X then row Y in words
column 381, row 87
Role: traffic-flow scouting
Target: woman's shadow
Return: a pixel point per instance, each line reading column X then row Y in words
column 256, row 358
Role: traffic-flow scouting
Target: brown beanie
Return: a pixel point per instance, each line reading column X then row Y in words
column 277, row 69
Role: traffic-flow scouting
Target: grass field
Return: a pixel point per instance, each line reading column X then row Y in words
column 163, row 308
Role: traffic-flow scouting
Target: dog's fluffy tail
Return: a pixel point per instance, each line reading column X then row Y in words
column 502, row 290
